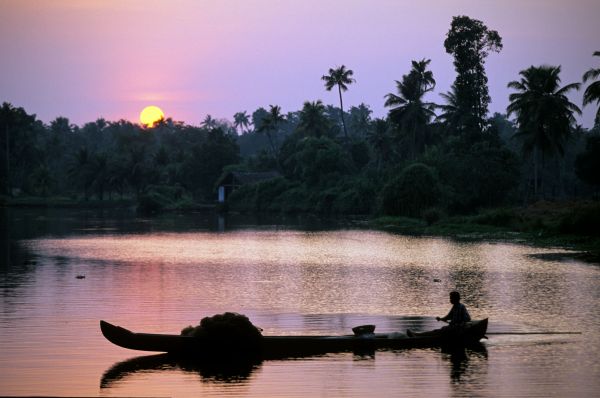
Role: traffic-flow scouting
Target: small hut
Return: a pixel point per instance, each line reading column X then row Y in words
column 235, row 179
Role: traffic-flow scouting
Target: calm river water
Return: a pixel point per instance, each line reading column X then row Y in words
column 162, row 274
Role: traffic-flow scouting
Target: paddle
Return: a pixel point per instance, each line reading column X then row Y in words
column 515, row 333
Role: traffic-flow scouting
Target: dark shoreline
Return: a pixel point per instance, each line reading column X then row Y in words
column 533, row 229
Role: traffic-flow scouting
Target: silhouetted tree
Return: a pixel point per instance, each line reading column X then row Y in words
column 15, row 129
column 380, row 141
column 79, row 171
column 451, row 115
column 544, row 113
column 360, row 120
column 408, row 110
column 470, row 41
column 270, row 124
column 241, row 119
column 340, row 77
column 209, row 122
column 592, row 92
column 313, row 121
column 587, row 164
column 413, row 191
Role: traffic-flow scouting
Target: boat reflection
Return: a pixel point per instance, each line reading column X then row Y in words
column 462, row 362
column 461, row 359
column 213, row 371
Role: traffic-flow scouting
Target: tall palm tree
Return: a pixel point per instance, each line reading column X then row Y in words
column 241, row 119
column 340, row 77
column 592, row 92
column 270, row 124
column 544, row 114
column 408, row 109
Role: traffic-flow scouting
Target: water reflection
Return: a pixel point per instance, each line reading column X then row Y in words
column 462, row 358
column 208, row 372
column 463, row 364
column 162, row 274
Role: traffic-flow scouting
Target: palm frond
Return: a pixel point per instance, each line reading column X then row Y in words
column 567, row 88
column 592, row 93
column 591, row 74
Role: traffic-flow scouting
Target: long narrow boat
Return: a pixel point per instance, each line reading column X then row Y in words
column 282, row 346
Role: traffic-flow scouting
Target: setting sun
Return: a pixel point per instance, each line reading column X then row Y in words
column 150, row 115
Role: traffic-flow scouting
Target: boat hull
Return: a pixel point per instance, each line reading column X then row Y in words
column 281, row 346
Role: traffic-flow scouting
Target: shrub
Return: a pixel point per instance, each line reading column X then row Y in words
column 584, row 220
column 432, row 215
column 413, row 191
column 160, row 197
column 498, row 217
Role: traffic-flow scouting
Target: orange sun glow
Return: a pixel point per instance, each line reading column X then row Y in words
column 150, row 115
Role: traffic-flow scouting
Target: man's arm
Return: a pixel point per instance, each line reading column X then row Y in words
column 445, row 318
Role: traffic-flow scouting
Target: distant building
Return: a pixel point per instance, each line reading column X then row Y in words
column 235, row 179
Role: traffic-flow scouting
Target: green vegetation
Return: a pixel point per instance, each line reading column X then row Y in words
column 560, row 224
column 425, row 168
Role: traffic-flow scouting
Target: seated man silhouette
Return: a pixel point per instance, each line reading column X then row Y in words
column 457, row 317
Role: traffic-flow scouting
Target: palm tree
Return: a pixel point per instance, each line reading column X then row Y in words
column 544, row 113
column 360, row 120
column 592, row 92
column 379, row 139
column 209, row 122
column 313, row 121
column 270, row 124
column 451, row 115
column 340, row 77
column 408, row 110
column 241, row 119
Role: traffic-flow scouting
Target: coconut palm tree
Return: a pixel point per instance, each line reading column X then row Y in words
column 379, row 139
column 313, row 121
column 544, row 114
column 241, row 119
column 340, row 77
column 592, row 92
column 209, row 122
column 360, row 120
column 270, row 124
column 408, row 109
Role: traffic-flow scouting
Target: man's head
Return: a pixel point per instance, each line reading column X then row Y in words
column 454, row 297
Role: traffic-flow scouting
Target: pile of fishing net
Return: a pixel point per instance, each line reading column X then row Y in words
column 229, row 327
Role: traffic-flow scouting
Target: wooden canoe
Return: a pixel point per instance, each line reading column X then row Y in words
column 283, row 346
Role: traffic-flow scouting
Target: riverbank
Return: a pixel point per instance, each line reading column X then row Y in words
column 571, row 225
column 61, row 202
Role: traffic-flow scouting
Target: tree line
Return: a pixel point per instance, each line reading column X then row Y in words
column 422, row 160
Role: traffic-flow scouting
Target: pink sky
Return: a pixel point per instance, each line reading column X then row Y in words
column 85, row 59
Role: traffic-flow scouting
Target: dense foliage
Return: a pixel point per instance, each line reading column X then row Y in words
column 423, row 160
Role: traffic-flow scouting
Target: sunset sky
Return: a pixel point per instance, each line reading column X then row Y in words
column 85, row 59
